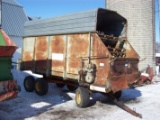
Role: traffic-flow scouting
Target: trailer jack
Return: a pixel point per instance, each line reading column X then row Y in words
column 123, row 106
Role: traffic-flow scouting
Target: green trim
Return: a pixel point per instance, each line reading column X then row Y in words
column 2, row 42
column 5, row 66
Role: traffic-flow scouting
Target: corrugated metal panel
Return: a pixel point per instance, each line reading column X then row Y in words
column 140, row 16
column 13, row 18
column 86, row 21
column 77, row 22
column 13, row 2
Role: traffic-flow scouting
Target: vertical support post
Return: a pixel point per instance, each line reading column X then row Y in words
column 89, row 55
column 48, row 57
column 34, row 55
column 65, row 57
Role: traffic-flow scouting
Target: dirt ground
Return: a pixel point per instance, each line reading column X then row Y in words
column 59, row 104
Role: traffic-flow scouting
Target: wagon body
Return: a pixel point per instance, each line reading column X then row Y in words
column 89, row 48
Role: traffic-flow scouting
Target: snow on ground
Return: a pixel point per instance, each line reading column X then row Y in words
column 59, row 104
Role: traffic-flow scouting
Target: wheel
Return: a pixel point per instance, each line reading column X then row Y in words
column 60, row 85
column 29, row 83
column 82, row 97
column 41, row 86
column 71, row 87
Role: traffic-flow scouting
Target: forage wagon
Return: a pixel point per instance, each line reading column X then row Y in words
column 88, row 50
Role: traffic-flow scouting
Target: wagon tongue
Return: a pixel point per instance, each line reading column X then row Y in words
column 124, row 107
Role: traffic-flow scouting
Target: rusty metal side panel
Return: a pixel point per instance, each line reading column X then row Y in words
column 57, row 54
column 101, row 58
column 120, row 81
column 130, row 52
column 41, row 54
column 77, row 47
column 123, row 71
column 28, row 53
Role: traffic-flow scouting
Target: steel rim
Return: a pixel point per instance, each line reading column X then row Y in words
column 27, row 84
column 38, row 86
column 78, row 98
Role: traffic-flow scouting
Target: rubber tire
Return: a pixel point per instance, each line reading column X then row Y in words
column 29, row 83
column 60, row 85
column 41, row 86
column 72, row 88
column 82, row 97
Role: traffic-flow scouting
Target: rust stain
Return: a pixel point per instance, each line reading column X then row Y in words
column 27, row 60
column 98, row 48
column 41, row 56
column 27, row 56
column 123, row 71
column 41, row 44
column 57, row 45
column 130, row 52
column 73, row 65
column 58, row 65
column 78, row 47
column 41, row 52
column 100, row 51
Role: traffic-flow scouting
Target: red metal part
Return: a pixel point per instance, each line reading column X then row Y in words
column 8, row 90
column 8, row 96
column 146, row 76
column 7, row 39
column 7, row 51
column 9, row 48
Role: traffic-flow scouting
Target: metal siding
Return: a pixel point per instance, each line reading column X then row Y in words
column 45, row 32
column 72, row 23
column 88, row 21
column 67, row 56
column 99, row 50
column 57, row 54
column 77, row 48
column 41, row 54
column 13, row 2
column 28, row 53
column 140, row 16
column 13, row 19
